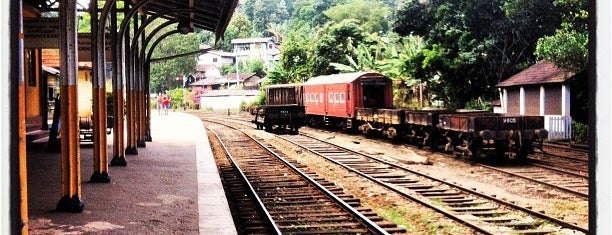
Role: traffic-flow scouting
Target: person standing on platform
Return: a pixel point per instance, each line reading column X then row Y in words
column 160, row 103
column 166, row 101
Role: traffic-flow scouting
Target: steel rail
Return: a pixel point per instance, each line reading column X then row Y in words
column 565, row 189
column 356, row 214
column 534, row 213
column 252, row 192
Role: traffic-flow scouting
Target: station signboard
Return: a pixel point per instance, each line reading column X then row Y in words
column 43, row 32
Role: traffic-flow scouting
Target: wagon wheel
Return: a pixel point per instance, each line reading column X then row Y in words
column 474, row 144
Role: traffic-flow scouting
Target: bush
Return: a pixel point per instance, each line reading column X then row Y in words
column 581, row 132
column 478, row 104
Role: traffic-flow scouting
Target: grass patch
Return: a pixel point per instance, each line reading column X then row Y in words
column 418, row 222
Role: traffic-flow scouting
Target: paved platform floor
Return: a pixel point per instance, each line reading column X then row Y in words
column 170, row 187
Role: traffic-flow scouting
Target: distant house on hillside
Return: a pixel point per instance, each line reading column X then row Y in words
column 265, row 49
column 217, row 58
column 542, row 90
column 249, row 81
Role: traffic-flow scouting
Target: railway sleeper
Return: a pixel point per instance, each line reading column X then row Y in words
column 487, row 213
column 284, row 202
column 288, row 213
column 520, row 225
column 255, row 230
column 497, row 220
column 284, row 221
column 401, row 181
column 443, row 194
column 335, row 227
column 443, row 198
column 322, row 214
column 460, row 200
column 279, row 185
column 418, row 186
column 422, row 191
column 474, row 208
column 465, row 204
column 534, row 231
column 388, row 175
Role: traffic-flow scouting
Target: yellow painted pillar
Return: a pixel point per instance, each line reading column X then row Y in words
column 21, row 116
column 118, row 104
column 131, row 101
column 69, row 131
column 140, row 96
column 100, row 158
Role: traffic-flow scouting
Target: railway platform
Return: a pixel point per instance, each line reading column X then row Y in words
column 171, row 187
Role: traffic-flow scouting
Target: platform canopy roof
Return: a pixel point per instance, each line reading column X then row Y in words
column 210, row 15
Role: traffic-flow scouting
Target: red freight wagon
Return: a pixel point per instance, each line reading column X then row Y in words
column 332, row 99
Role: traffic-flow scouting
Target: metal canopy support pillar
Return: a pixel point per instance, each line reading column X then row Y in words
column 71, row 170
column 143, row 97
column 18, row 157
column 118, row 155
column 100, row 158
column 129, row 83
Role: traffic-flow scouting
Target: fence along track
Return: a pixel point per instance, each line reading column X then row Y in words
column 295, row 203
column 481, row 212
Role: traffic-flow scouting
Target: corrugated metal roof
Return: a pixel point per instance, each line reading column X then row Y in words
column 208, row 81
column 341, row 78
column 211, row 15
column 540, row 73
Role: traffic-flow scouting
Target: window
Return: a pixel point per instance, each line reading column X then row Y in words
column 337, row 98
column 270, row 46
column 342, row 98
column 330, row 98
column 214, row 59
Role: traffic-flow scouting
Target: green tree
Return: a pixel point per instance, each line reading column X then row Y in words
column 309, row 13
column 164, row 73
column 372, row 15
column 468, row 56
column 239, row 27
column 568, row 47
column 334, row 42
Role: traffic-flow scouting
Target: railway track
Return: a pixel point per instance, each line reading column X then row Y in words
column 481, row 212
column 289, row 200
column 571, row 161
column 561, row 168
column 573, row 184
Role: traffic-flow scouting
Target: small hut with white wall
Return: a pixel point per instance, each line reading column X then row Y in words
column 542, row 89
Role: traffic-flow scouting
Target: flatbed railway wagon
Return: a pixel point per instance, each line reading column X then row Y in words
column 510, row 136
column 284, row 109
column 420, row 127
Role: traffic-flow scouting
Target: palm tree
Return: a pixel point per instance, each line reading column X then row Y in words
column 277, row 30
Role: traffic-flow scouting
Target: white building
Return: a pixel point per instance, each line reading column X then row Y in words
column 265, row 49
column 216, row 58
